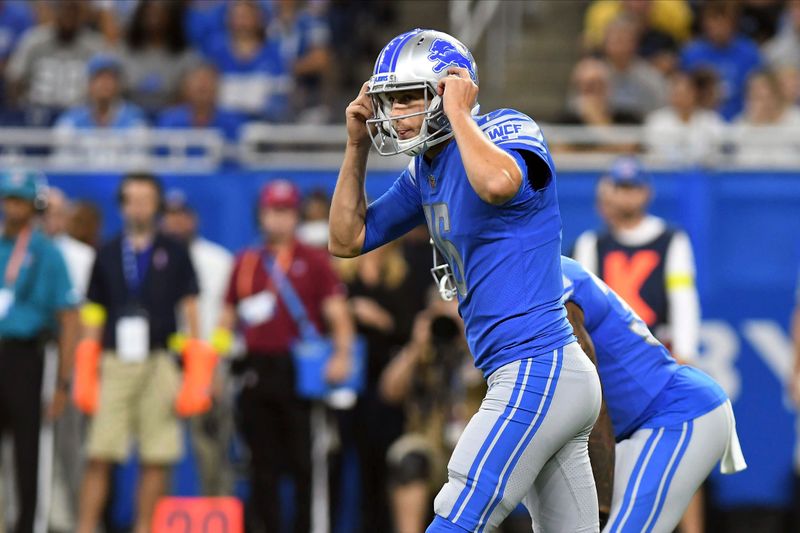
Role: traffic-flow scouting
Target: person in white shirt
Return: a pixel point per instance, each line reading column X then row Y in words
column 766, row 133
column 78, row 256
column 67, row 438
column 683, row 133
column 648, row 262
column 213, row 264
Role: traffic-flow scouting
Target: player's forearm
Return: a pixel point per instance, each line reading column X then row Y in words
column 349, row 204
column 492, row 173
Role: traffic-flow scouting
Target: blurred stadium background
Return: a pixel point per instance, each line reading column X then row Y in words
column 97, row 88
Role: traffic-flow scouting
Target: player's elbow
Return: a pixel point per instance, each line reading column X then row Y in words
column 338, row 249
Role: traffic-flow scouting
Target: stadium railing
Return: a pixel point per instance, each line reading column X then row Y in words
column 306, row 146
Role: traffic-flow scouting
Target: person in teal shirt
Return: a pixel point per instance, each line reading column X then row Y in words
column 37, row 304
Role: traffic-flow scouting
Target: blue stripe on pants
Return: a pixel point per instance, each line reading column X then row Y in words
column 665, row 488
column 644, row 457
column 489, row 477
column 549, row 392
column 521, row 373
column 646, row 492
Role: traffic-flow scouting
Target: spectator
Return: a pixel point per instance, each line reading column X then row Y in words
column 759, row 19
column 708, row 88
column 68, row 438
column 377, row 284
column 15, row 19
column 155, row 55
column 647, row 262
column 305, row 45
column 105, row 107
column 205, row 21
column 766, row 107
column 85, row 222
column 636, row 87
column 784, row 48
column 105, row 110
column 37, row 302
column 434, row 380
column 47, row 72
column 733, row 57
column 256, row 80
column 313, row 231
column 589, row 101
column 672, row 18
column 274, row 420
column 588, row 104
column 789, row 80
column 79, row 256
column 200, row 110
column 213, row 265
column 139, row 280
column 212, row 262
column 684, row 133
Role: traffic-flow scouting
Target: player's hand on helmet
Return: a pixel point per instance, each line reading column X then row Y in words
column 357, row 113
column 459, row 93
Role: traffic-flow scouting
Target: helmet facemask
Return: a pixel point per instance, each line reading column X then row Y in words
column 434, row 130
column 443, row 276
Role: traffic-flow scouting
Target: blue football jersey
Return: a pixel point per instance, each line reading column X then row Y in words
column 505, row 258
column 643, row 385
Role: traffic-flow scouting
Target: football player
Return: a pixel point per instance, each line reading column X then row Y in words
column 672, row 422
column 486, row 186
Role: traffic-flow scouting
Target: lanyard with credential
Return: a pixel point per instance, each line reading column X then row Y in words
column 130, row 268
column 18, row 254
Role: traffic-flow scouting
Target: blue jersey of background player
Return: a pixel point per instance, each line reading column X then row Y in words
column 672, row 422
column 485, row 185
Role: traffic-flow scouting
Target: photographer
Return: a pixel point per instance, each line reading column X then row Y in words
column 434, row 378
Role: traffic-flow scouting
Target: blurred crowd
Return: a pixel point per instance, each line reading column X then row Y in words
column 702, row 77
column 177, row 63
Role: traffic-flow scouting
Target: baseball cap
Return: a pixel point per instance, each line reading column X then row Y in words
column 23, row 183
column 176, row 200
column 280, row 193
column 628, row 171
column 103, row 62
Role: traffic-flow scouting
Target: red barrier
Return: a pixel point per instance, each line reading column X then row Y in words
column 198, row 515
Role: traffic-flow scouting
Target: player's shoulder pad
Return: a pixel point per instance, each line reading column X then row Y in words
column 507, row 126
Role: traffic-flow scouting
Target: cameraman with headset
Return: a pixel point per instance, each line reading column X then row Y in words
column 434, row 378
column 36, row 301
column 125, row 379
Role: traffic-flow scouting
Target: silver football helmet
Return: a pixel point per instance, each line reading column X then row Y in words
column 417, row 59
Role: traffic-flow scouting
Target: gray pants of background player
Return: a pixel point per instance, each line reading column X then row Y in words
column 658, row 470
column 527, row 442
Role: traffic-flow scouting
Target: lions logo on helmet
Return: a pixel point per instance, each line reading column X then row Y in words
column 415, row 61
column 446, row 54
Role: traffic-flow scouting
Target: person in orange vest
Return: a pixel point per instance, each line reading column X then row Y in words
column 650, row 264
column 643, row 258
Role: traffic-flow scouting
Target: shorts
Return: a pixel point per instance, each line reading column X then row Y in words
column 137, row 403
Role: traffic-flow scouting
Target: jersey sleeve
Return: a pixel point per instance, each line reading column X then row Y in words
column 516, row 132
column 395, row 213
